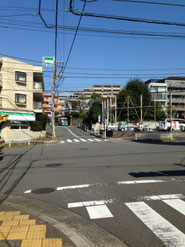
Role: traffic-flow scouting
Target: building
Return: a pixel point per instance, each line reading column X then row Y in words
column 47, row 105
column 21, row 95
column 104, row 90
column 169, row 91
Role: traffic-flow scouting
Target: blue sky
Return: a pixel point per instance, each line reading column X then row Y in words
column 105, row 55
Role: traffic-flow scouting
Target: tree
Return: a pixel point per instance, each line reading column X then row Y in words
column 132, row 93
column 94, row 112
column 95, row 96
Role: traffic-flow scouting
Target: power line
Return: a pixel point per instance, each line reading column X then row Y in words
column 72, row 44
column 153, row 3
column 123, row 18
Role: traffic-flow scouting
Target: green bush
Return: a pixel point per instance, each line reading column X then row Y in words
column 37, row 126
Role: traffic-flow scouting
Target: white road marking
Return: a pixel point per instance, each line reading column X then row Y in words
column 177, row 204
column 88, row 203
column 105, row 140
column 91, row 140
column 62, row 142
column 163, row 229
column 140, row 181
column 27, row 191
column 97, row 140
column 74, row 187
column 76, row 140
column 69, row 140
column 161, row 197
column 72, row 132
column 99, row 212
column 83, row 140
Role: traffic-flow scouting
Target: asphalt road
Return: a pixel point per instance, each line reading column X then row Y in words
column 133, row 190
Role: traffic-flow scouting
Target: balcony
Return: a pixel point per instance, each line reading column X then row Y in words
column 37, row 85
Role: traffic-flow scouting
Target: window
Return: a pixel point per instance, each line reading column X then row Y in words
column 19, row 125
column 20, row 99
column 20, row 76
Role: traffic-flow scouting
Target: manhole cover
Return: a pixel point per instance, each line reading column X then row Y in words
column 43, row 190
column 54, row 165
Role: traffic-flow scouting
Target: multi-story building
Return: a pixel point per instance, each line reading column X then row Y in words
column 169, row 91
column 104, row 90
column 21, row 93
column 47, row 105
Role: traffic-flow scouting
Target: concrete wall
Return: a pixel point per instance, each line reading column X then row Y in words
column 21, row 134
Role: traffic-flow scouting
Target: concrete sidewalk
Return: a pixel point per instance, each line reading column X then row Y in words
column 28, row 222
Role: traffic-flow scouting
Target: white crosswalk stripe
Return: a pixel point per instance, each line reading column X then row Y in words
column 177, row 204
column 91, row 140
column 82, row 140
column 69, row 140
column 162, row 228
column 76, row 140
column 98, row 140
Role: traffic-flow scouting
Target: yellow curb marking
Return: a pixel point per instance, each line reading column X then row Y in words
column 19, row 227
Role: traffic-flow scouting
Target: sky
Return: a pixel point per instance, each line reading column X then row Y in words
column 103, row 56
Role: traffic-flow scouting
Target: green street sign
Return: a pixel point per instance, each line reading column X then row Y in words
column 48, row 61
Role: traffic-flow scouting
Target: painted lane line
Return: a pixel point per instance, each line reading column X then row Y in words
column 97, row 140
column 91, row 140
column 76, row 140
column 161, row 197
column 177, row 204
column 89, row 203
column 99, row 212
column 62, row 142
column 72, row 132
column 74, row 187
column 105, row 140
column 27, row 191
column 140, row 182
column 162, row 228
column 83, row 140
column 69, row 140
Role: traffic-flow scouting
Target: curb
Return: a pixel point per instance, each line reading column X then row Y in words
column 81, row 231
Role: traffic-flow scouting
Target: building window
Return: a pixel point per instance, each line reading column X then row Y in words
column 20, row 76
column 20, row 99
column 19, row 125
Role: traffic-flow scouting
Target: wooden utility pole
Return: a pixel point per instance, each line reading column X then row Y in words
column 155, row 107
column 170, row 111
column 115, row 109
column 141, row 110
column 127, row 108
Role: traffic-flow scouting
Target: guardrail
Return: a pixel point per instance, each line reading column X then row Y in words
column 11, row 142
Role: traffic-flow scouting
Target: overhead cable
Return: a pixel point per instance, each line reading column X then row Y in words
column 122, row 18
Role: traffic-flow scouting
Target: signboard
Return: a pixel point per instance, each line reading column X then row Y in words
column 48, row 61
column 17, row 116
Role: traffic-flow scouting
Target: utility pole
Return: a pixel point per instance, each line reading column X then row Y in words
column 127, row 109
column 54, row 75
column 141, row 111
column 155, row 107
column 111, row 108
column 107, row 110
column 115, row 109
column 170, row 111
column 102, row 112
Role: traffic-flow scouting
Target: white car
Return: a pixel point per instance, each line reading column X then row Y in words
column 112, row 126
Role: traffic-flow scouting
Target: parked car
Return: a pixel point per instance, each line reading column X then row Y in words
column 112, row 126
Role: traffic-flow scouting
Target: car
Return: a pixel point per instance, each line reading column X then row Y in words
column 112, row 126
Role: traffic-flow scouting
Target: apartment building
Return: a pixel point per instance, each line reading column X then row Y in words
column 47, row 105
column 170, row 90
column 21, row 88
column 104, row 90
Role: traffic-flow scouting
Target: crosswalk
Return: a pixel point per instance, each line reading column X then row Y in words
column 142, row 208
column 163, row 229
column 82, row 140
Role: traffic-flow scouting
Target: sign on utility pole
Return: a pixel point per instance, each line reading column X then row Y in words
column 48, row 61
